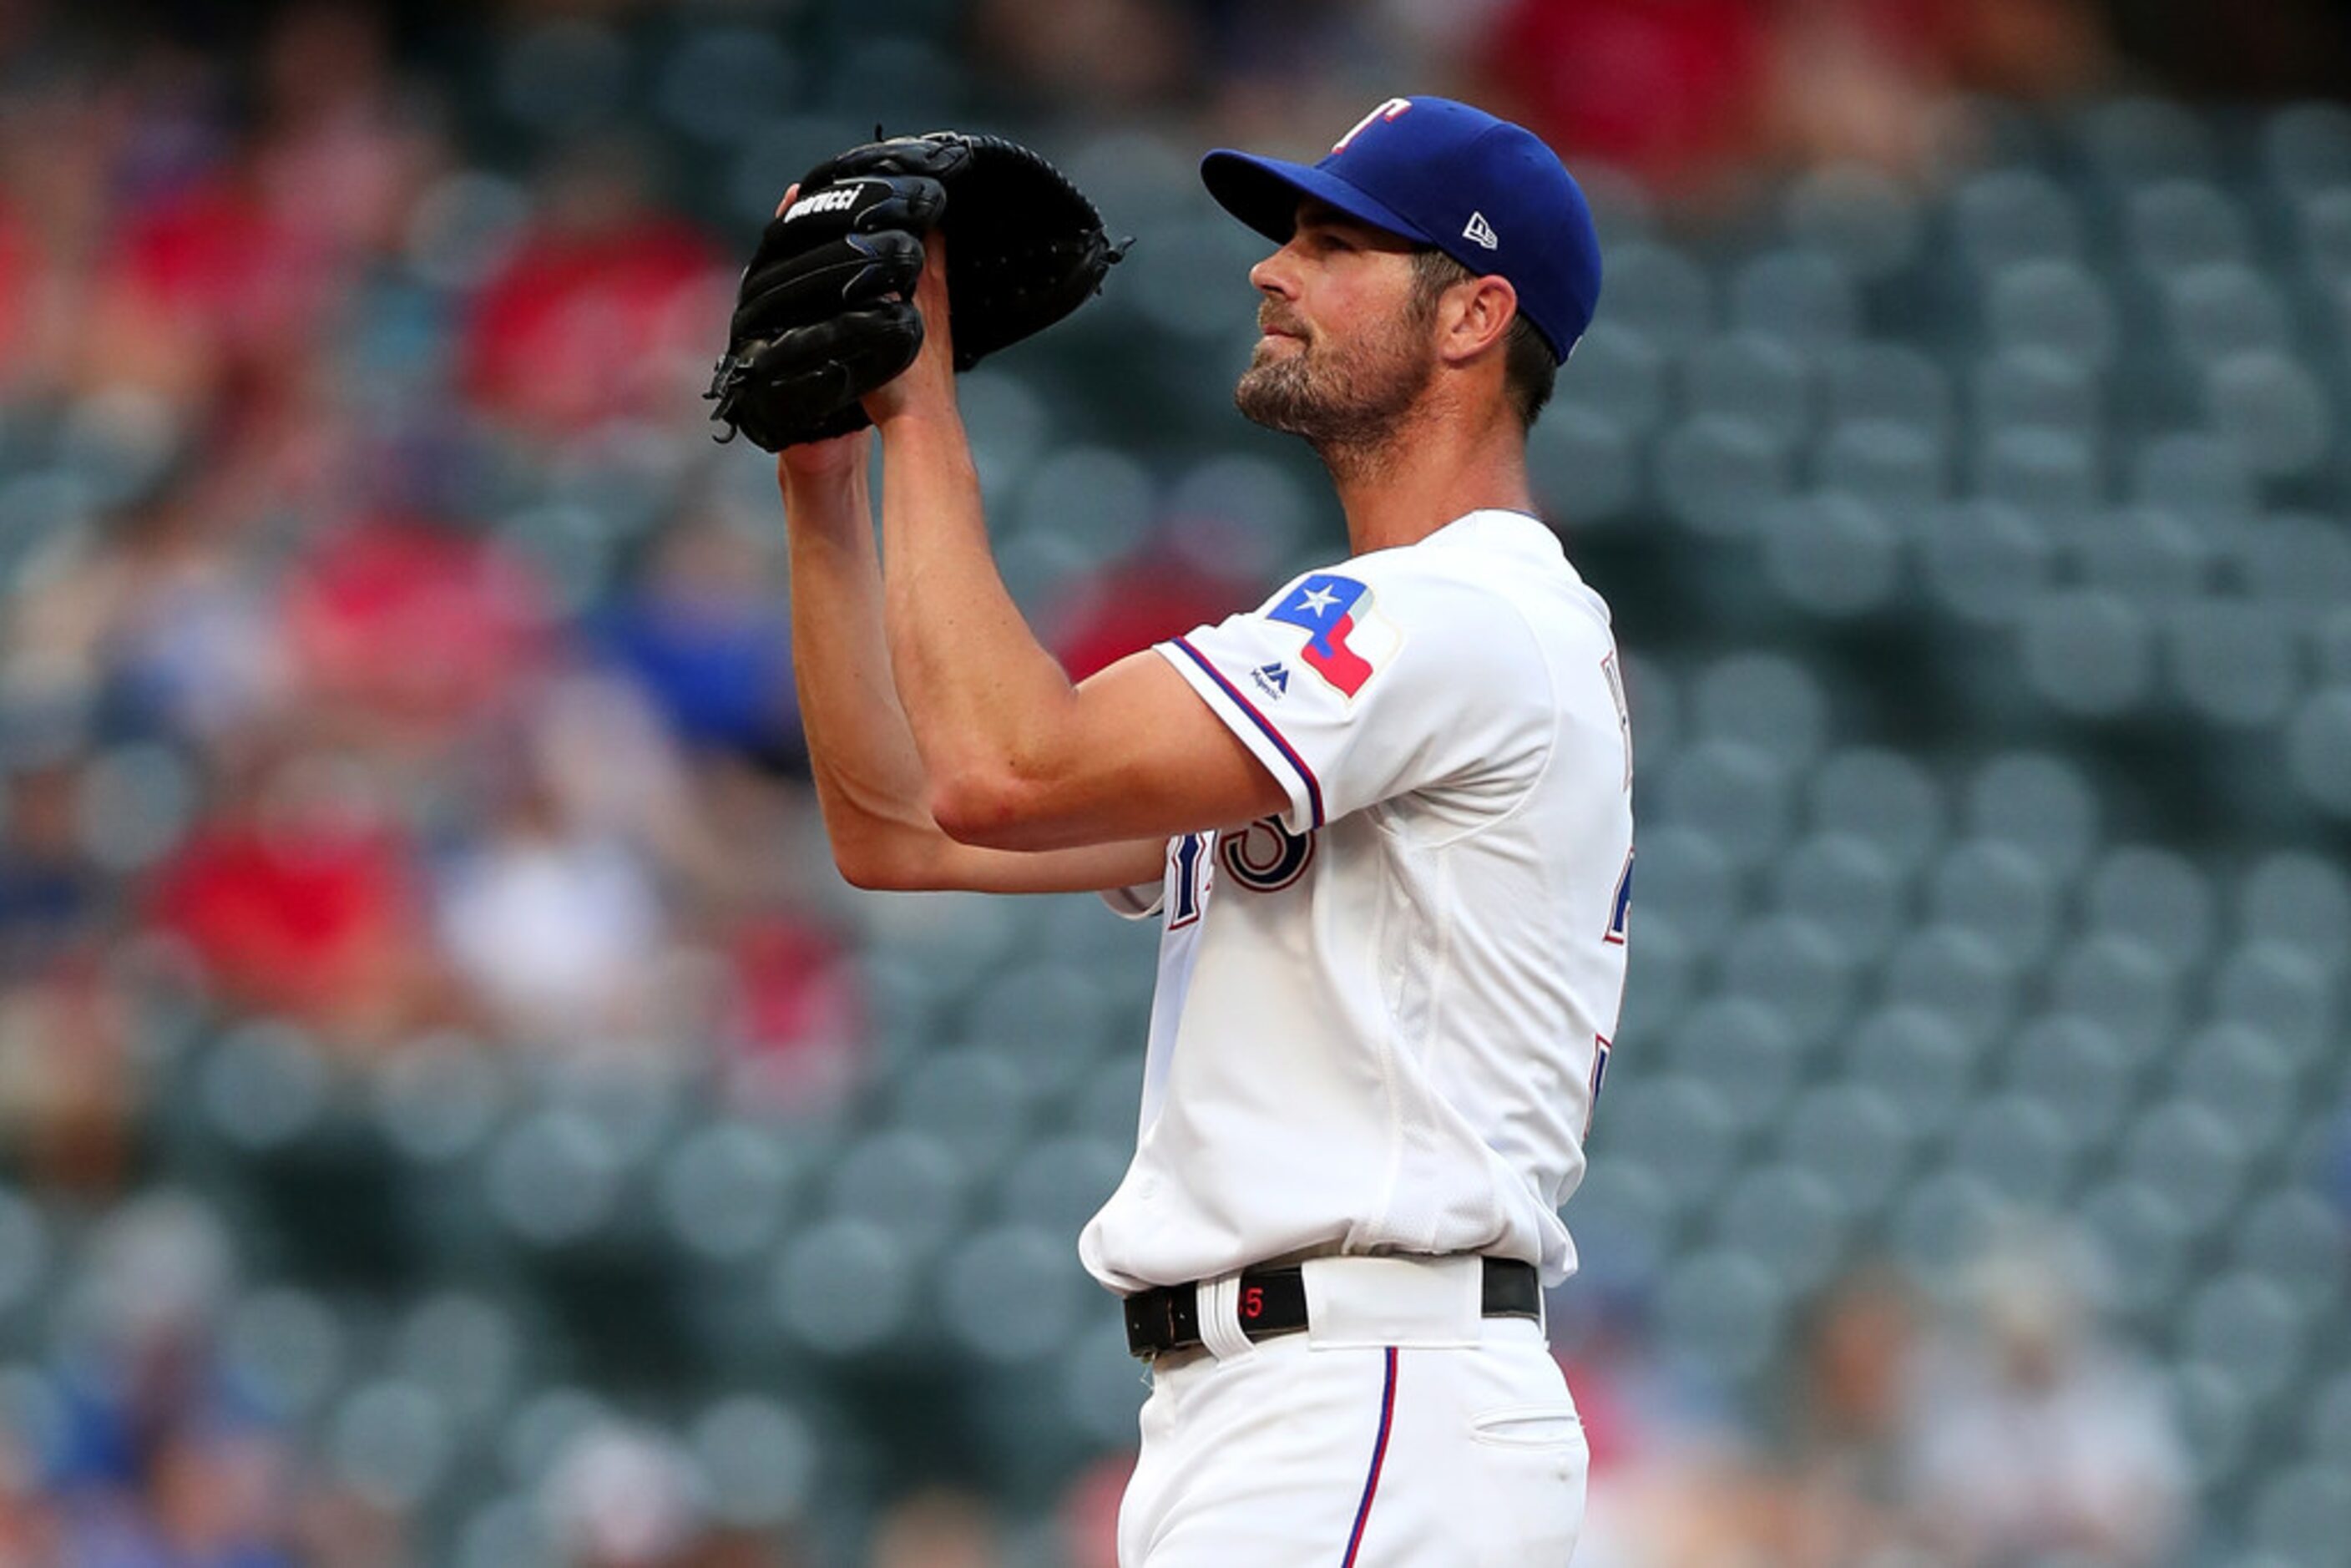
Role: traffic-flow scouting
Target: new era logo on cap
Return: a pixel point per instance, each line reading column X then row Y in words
column 1481, row 232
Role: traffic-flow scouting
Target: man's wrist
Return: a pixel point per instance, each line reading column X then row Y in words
column 814, row 496
column 918, row 417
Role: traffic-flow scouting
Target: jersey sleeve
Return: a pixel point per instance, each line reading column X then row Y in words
column 1356, row 686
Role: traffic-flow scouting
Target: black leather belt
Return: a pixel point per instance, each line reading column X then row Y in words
column 1273, row 1301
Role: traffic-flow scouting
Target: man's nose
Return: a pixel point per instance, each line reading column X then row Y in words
column 1274, row 276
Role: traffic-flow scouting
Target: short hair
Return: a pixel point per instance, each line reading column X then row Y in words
column 1529, row 367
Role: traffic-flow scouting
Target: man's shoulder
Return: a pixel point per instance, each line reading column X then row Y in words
column 1485, row 590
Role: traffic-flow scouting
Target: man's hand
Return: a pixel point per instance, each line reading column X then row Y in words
column 928, row 385
column 817, row 460
column 826, row 312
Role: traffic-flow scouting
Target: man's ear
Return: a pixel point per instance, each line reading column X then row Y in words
column 1477, row 317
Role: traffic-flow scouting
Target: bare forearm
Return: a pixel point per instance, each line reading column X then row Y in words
column 869, row 777
column 985, row 700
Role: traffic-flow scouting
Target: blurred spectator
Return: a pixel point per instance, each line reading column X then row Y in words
column 221, row 289
column 796, row 1018
column 68, row 1078
column 1152, row 593
column 554, row 925
column 706, row 633
column 1114, row 55
column 163, row 1463
column 51, row 894
column 1694, row 95
column 301, row 896
column 937, row 1528
column 1088, row 1514
column 337, row 1528
column 1856, row 1400
column 1675, row 1482
column 620, row 1498
column 59, row 133
column 414, row 628
column 1674, row 91
column 2040, row 1437
column 597, row 305
column 1882, row 84
column 28, row 1523
column 157, row 612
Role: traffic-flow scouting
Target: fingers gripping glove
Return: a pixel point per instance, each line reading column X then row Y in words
column 824, row 313
column 1025, row 248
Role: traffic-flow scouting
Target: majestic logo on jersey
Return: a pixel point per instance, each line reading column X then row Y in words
column 1349, row 642
column 1481, row 232
column 1265, row 856
column 1272, row 679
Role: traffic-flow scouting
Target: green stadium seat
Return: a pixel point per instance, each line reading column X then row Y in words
column 2000, row 892
column 1844, row 882
column 845, row 1287
column 1863, row 217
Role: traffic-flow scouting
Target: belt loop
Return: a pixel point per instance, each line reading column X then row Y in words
column 1220, row 1317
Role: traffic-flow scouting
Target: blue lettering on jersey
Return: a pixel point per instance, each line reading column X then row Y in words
column 1620, row 914
column 1272, row 679
column 1599, row 1048
column 1265, row 856
column 1190, row 854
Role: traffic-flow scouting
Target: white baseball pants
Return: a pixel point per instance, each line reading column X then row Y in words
column 1402, row 1431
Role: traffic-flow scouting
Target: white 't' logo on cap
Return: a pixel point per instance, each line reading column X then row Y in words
column 1388, row 110
column 1482, row 231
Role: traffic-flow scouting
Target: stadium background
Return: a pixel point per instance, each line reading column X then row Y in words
column 451, row 1112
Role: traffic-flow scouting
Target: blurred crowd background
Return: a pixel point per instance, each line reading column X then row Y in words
column 450, row 1111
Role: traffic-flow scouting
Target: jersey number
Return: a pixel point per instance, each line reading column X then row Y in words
column 1620, row 908
column 1265, row 856
column 1190, row 853
column 1620, row 919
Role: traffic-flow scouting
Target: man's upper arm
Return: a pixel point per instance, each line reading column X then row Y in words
column 1136, row 755
column 1347, row 688
column 1377, row 679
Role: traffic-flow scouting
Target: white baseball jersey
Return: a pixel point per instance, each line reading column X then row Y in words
column 1383, row 1017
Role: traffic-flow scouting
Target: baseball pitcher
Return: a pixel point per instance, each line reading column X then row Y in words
column 1383, row 820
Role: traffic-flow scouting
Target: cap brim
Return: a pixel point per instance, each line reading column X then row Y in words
column 1264, row 192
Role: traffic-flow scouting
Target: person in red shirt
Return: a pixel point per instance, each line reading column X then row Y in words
column 598, row 306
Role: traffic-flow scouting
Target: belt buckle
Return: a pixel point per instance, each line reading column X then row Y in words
column 1148, row 1334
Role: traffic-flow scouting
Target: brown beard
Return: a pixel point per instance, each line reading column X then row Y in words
column 1340, row 399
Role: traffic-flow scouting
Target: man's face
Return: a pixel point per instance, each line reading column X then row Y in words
column 1346, row 349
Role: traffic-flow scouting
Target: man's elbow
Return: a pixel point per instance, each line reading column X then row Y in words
column 987, row 811
column 874, row 873
column 891, row 864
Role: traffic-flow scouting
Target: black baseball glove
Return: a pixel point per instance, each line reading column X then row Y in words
column 823, row 316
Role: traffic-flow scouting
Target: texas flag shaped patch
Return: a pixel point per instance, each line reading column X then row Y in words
column 1349, row 642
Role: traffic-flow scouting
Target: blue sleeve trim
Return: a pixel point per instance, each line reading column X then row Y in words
column 1288, row 752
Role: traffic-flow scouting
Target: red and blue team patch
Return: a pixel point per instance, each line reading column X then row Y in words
column 1347, row 643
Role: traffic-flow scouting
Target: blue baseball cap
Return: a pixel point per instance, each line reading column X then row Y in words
column 1485, row 192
